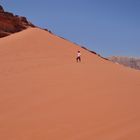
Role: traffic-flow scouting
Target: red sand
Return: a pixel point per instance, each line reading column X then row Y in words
column 46, row 95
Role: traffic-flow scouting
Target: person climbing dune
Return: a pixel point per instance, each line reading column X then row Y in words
column 78, row 58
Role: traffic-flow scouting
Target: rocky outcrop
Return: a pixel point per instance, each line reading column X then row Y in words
column 126, row 61
column 1, row 9
column 10, row 23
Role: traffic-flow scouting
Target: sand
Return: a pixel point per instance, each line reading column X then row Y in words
column 46, row 95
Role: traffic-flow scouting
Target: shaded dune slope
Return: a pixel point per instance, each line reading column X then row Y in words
column 45, row 94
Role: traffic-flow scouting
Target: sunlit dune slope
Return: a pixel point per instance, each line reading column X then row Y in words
column 46, row 95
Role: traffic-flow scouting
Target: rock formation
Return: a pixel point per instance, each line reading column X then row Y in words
column 10, row 23
column 126, row 61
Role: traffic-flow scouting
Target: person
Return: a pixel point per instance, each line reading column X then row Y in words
column 78, row 58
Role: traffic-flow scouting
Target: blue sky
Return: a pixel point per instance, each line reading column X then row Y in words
column 109, row 27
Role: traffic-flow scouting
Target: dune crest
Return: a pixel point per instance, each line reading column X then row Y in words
column 46, row 94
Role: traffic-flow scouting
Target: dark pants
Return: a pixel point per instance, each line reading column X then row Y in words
column 78, row 59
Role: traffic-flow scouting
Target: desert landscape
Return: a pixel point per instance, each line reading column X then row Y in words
column 46, row 94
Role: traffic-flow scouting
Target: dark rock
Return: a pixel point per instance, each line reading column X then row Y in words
column 1, row 9
column 8, row 14
column 89, row 50
column 10, row 23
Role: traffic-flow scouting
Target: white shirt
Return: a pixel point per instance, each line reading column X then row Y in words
column 78, row 54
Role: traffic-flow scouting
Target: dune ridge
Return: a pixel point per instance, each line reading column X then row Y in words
column 45, row 94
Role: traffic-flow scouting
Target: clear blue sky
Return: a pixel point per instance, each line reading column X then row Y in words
column 109, row 27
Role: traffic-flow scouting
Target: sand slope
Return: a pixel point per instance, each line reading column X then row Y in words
column 46, row 95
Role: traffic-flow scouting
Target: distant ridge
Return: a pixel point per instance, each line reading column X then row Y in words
column 126, row 61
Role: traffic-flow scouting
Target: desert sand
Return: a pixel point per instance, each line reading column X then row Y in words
column 46, row 95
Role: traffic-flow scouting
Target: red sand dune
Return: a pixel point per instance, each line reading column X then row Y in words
column 46, row 95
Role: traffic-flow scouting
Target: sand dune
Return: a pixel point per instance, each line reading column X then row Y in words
column 46, row 95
